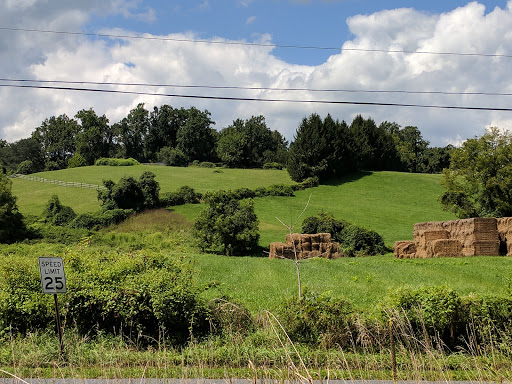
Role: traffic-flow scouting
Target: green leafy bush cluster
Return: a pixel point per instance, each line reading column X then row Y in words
column 272, row 190
column 77, row 160
column 60, row 215
column 273, row 165
column 227, row 225
column 353, row 239
column 144, row 295
column 318, row 319
column 452, row 320
column 94, row 221
column 129, row 193
column 26, row 167
column 184, row 195
column 116, row 162
column 57, row 214
column 172, row 157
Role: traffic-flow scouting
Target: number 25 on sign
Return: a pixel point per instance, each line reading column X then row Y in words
column 53, row 278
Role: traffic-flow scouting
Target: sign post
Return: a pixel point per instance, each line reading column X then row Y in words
column 53, row 281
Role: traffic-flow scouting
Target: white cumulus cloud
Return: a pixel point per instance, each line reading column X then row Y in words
column 467, row 29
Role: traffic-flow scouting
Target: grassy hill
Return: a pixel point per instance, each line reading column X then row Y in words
column 387, row 202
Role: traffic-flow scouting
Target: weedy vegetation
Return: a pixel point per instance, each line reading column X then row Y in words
column 144, row 301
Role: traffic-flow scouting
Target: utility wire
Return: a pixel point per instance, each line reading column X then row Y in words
column 261, row 99
column 257, row 88
column 183, row 40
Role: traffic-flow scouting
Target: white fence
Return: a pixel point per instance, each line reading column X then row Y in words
column 60, row 182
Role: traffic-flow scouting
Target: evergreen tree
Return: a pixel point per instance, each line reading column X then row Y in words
column 12, row 227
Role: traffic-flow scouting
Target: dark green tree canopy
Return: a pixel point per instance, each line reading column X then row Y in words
column 12, row 227
column 227, row 225
column 250, row 143
column 57, row 138
column 479, row 180
column 95, row 138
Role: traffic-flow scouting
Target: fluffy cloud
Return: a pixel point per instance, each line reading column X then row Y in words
column 466, row 29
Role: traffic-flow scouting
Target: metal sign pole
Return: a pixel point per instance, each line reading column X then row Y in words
column 53, row 282
column 59, row 327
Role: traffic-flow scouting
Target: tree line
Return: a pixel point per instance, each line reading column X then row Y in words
column 179, row 136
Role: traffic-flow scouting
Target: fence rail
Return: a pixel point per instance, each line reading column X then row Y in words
column 60, row 182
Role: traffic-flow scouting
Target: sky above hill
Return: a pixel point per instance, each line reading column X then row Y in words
column 343, row 57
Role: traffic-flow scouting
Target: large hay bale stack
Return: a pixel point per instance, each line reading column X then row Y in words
column 479, row 236
column 404, row 249
column 305, row 246
column 505, row 234
column 444, row 248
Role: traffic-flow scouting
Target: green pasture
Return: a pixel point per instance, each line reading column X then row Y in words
column 262, row 283
column 32, row 195
column 387, row 202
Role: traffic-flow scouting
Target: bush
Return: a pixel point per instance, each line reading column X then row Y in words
column 101, row 219
column 353, row 240
column 57, row 214
column 77, row 160
column 129, row 193
column 145, row 296
column 184, row 195
column 230, row 318
column 359, row 241
column 51, row 166
column 273, row 165
column 115, row 162
column 433, row 310
column 171, row 199
column 26, row 167
column 318, row 319
column 227, row 226
column 172, row 157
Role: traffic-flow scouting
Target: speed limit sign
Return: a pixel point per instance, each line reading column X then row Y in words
column 53, row 278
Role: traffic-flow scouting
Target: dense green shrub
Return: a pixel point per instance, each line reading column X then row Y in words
column 114, row 162
column 12, row 226
column 57, row 214
column 51, row 165
column 23, row 308
column 145, row 296
column 273, row 165
column 129, row 193
column 26, row 167
column 184, row 195
column 360, row 241
column 101, row 219
column 230, row 318
column 227, row 226
column 318, row 319
column 57, row 234
column 434, row 310
column 77, row 160
column 172, row 157
column 353, row 239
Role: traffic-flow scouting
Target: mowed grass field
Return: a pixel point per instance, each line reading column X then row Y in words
column 387, row 202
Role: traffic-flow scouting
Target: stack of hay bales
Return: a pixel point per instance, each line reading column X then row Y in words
column 505, row 233
column 405, row 249
column 305, row 246
column 467, row 237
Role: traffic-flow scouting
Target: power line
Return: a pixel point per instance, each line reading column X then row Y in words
column 226, row 98
column 226, row 87
column 203, row 41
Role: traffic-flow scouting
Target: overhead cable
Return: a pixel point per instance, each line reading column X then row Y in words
column 271, row 45
column 228, row 87
column 226, row 98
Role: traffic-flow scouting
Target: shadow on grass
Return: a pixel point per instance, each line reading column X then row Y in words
column 351, row 177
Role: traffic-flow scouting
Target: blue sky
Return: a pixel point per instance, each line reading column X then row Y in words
column 476, row 27
column 305, row 23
